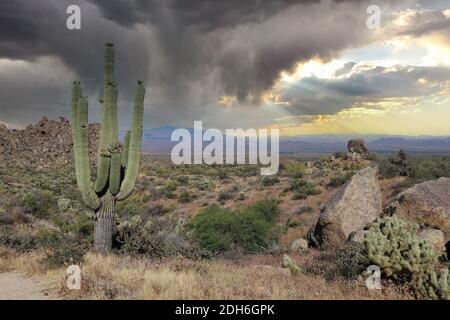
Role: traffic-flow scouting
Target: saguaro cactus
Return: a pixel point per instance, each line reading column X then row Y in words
column 117, row 168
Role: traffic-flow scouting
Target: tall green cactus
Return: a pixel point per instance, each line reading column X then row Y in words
column 117, row 168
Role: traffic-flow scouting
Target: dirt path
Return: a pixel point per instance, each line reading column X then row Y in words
column 16, row 286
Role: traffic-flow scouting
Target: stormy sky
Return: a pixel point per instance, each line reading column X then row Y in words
column 305, row 67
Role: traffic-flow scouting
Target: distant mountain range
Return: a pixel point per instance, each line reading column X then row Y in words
column 157, row 140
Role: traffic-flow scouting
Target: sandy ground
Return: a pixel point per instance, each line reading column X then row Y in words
column 16, row 286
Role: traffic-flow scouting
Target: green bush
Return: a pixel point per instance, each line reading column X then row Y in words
column 182, row 180
column 169, row 188
column 246, row 170
column 295, row 169
column 339, row 180
column 429, row 169
column 302, row 189
column 39, row 203
column 218, row 229
column 224, row 196
column 270, row 181
column 400, row 165
column 203, row 183
column 185, row 197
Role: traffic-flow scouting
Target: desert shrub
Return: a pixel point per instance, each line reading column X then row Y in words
column 241, row 196
column 203, row 183
column 387, row 169
column 185, row 197
column 429, row 169
column 218, row 229
column 270, row 181
column 156, row 210
column 339, row 155
column 302, row 189
column 39, row 203
column 246, row 170
column 21, row 241
column 339, row 180
column 182, row 180
column 306, row 209
column 399, row 165
column 156, row 239
column 392, row 245
column 129, row 208
column 347, row 262
column 224, row 196
column 169, row 188
column 295, row 169
column 223, row 174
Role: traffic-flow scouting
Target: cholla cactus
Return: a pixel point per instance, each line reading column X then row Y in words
column 117, row 170
column 392, row 245
column 435, row 285
column 289, row 264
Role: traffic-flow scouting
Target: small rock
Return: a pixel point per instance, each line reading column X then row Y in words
column 299, row 245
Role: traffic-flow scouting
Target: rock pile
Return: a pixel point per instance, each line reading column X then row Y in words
column 42, row 144
column 357, row 149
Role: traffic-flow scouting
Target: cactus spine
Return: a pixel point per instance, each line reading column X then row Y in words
column 117, row 170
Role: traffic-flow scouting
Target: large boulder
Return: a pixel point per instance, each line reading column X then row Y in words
column 354, row 205
column 427, row 204
column 358, row 146
column 433, row 237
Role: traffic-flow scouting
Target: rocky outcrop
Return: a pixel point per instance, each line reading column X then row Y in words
column 354, row 205
column 357, row 146
column 427, row 204
column 44, row 143
column 357, row 149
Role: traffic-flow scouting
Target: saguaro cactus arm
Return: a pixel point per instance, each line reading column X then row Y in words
column 76, row 95
column 134, row 152
column 126, row 149
column 111, row 102
column 82, row 151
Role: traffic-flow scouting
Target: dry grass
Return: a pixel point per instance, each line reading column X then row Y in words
column 114, row 277
column 252, row 277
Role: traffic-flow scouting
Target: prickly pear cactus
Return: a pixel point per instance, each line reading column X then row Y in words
column 392, row 245
column 117, row 168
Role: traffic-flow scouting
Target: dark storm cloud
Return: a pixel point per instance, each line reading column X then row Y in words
column 313, row 96
column 189, row 52
column 245, row 44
